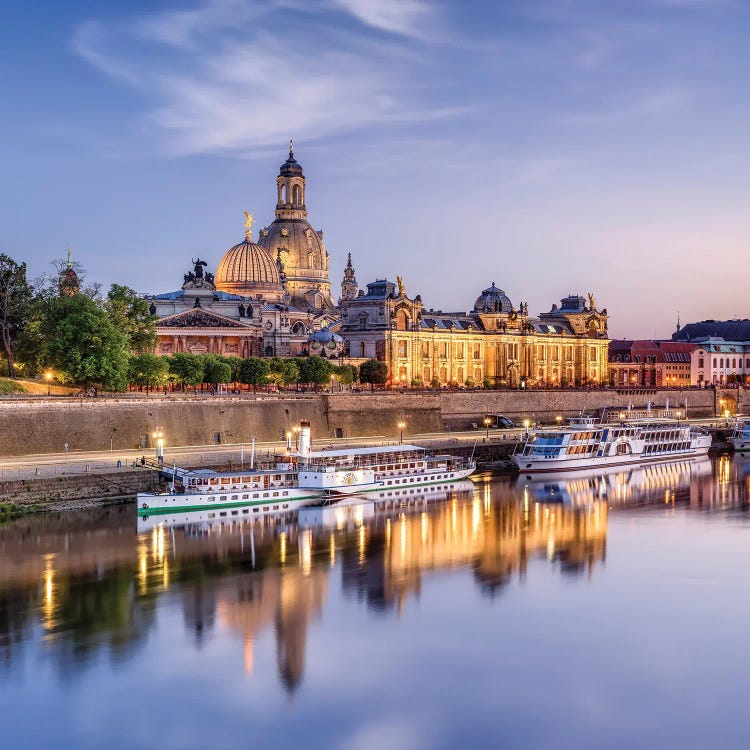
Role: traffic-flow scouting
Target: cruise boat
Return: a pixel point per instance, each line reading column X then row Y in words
column 589, row 443
column 740, row 439
column 305, row 477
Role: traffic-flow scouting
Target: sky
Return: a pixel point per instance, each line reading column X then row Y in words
column 550, row 146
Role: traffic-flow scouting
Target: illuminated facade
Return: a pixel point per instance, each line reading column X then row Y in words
column 494, row 344
column 648, row 364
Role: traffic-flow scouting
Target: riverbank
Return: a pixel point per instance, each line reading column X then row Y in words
column 49, row 425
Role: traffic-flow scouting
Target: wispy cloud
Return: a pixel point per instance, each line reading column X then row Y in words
column 240, row 75
column 407, row 17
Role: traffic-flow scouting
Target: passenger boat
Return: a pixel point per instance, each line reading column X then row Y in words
column 589, row 443
column 740, row 439
column 305, row 477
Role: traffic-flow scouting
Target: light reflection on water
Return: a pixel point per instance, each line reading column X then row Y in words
column 439, row 621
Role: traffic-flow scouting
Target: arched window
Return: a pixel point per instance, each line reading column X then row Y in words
column 297, row 195
column 700, row 362
column 283, row 194
column 402, row 320
column 361, row 348
column 269, row 351
column 363, row 321
column 298, row 328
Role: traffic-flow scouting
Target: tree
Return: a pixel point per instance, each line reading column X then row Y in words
column 315, row 370
column 373, row 372
column 346, row 374
column 236, row 364
column 15, row 305
column 216, row 370
column 254, row 372
column 283, row 371
column 131, row 316
column 82, row 344
column 148, row 369
column 186, row 369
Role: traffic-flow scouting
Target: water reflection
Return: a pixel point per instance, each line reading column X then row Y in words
column 86, row 584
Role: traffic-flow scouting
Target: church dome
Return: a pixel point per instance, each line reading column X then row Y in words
column 493, row 300
column 248, row 269
column 325, row 342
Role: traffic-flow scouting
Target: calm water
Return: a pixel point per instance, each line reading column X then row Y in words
column 607, row 612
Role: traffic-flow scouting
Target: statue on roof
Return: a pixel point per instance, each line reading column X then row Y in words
column 401, row 286
column 592, row 301
column 198, row 266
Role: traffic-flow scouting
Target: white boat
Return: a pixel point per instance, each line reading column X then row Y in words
column 589, row 443
column 740, row 439
column 294, row 480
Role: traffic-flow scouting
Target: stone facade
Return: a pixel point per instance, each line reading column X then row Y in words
column 494, row 343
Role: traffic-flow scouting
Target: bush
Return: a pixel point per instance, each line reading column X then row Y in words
column 8, row 387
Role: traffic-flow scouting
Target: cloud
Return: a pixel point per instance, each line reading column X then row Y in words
column 240, row 75
column 407, row 17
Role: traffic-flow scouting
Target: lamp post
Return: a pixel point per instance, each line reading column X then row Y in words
column 48, row 378
column 487, row 422
column 401, row 426
column 333, row 380
column 558, row 419
column 159, row 438
column 295, row 429
column 526, row 425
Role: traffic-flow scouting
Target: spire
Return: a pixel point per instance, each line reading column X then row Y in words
column 291, row 149
column 678, row 322
column 69, row 263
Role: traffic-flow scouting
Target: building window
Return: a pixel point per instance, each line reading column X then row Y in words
column 700, row 362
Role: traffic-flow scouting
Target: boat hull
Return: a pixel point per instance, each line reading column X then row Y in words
column 157, row 503
column 740, row 445
column 531, row 465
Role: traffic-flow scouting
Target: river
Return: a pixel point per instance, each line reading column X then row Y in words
column 572, row 612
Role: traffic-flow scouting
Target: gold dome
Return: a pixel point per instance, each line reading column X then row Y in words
column 249, row 270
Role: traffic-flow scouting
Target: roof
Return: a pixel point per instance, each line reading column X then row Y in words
column 198, row 318
column 366, row 451
column 729, row 330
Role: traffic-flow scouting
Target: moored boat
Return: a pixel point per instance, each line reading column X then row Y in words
column 588, row 443
column 740, row 439
column 294, row 480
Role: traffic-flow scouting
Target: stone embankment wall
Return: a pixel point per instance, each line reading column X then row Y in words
column 77, row 491
column 45, row 426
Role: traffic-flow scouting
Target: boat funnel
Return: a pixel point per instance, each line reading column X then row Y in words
column 304, row 439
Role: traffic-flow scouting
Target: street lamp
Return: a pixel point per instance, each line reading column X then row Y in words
column 526, row 425
column 401, row 426
column 48, row 378
column 159, row 438
column 558, row 419
column 487, row 423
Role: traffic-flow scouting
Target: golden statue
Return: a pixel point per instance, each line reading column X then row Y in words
column 401, row 287
column 248, row 225
column 592, row 301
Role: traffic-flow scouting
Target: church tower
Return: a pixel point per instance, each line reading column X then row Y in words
column 349, row 286
column 295, row 244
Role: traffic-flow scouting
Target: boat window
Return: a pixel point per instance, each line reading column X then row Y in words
column 212, row 515
column 234, row 512
column 235, row 497
column 245, row 510
column 223, row 514
column 275, row 507
column 225, row 480
column 255, row 495
column 275, row 494
column 284, row 494
column 245, row 497
column 223, row 499
column 255, row 510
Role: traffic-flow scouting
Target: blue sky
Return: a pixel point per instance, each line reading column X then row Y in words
column 551, row 146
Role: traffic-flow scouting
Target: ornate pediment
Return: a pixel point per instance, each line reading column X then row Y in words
column 198, row 318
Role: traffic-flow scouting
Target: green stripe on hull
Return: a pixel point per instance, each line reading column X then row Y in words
column 250, row 503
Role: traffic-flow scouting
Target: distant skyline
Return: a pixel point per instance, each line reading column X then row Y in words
column 550, row 146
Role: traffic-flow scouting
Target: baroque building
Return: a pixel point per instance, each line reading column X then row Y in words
column 495, row 343
column 720, row 353
column 268, row 298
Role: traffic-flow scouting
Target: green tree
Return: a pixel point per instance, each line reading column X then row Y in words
column 316, row 370
column 148, row 369
column 130, row 315
column 216, row 370
column 283, row 371
column 186, row 369
column 236, row 364
column 254, row 371
column 373, row 372
column 82, row 345
column 15, row 305
column 346, row 374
